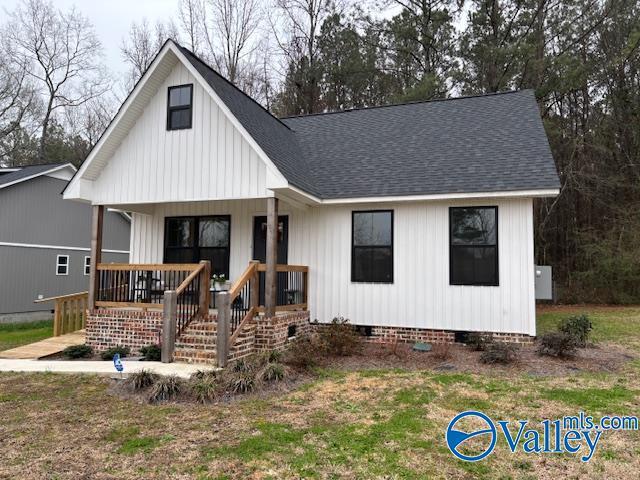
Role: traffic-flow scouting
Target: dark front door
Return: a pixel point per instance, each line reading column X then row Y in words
column 260, row 250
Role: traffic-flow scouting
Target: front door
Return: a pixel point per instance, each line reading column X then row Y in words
column 260, row 250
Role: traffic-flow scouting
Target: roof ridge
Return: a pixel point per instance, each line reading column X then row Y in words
column 403, row 104
column 229, row 82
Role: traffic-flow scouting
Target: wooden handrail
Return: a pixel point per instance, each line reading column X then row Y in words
column 262, row 267
column 69, row 313
column 179, row 267
column 190, row 278
column 244, row 278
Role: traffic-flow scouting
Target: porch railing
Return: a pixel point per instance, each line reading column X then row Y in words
column 69, row 312
column 139, row 285
column 245, row 299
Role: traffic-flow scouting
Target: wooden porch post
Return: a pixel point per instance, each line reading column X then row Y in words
column 271, row 276
column 96, row 253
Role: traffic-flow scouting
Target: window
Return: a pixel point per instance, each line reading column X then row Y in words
column 62, row 265
column 372, row 246
column 87, row 265
column 473, row 255
column 179, row 107
column 191, row 239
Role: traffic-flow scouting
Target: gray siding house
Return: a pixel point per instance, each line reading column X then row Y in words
column 45, row 240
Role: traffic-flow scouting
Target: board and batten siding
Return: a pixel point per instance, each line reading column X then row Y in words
column 420, row 296
column 211, row 160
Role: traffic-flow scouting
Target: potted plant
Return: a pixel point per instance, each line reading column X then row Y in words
column 218, row 281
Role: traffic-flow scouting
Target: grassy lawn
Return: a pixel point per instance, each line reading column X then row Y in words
column 367, row 424
column 16, row 334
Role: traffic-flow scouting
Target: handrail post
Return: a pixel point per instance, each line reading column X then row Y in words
column 96, row 254
column 170, row 310
column 254, row 286
column 57, row 331
column 222, row 334
column 205, row 294
column 271, row 277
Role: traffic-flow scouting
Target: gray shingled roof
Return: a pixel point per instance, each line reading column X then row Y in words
column 463, row 145
column 26, row 172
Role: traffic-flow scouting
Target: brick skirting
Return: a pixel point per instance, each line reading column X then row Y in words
column 118, row 327
column 411, row 335
column 272, row 333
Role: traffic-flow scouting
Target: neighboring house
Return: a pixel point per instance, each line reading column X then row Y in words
column 44, row 239
column 415, row 220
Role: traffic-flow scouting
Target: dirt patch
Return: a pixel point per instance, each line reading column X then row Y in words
column 603, row 358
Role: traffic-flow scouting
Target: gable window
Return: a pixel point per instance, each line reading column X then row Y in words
column 87, row 265
column 191, row 239
column 372, row 246
column 180, row 107
column 62, row 265
column 473, row 255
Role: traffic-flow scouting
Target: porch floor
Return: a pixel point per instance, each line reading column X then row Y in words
column 46, row 347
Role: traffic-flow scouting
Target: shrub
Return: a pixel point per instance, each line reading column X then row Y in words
column 241, row 381
column 478, row 341
column 272, row 372
column 78, row 351
column 274, row 356
column 141, row 380
column 204, row 389
column 441, row 351
column 108, row 354
column 578, row 326
column 339, row 337
column 166, row 388
column 503, row 353
column 302, row 353
column 151, row 353
column 558, row 344
column 200, row 374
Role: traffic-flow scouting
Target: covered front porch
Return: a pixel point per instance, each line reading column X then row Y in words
column 168, row 297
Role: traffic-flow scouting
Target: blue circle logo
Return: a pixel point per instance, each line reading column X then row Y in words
column 456, row 439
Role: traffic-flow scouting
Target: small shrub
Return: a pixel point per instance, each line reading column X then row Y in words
column 77, row 351
column 200, row 374
column 478, row 341
column 151, row 353
column 558, row 344
column 204, row 389
column 339, row 337
column 166, row 388
column 578, row 326
column 108, row 354
column 273, row 372
column 302, row 353
column 441, row 351
column 242, row 381
column 274, row 356
column 141, row 380
column 503, row 353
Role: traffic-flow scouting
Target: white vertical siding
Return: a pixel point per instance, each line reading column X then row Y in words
column 211, row 160
column 420, row 295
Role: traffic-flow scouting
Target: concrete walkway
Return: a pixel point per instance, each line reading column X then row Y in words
column 46, row 347
column 104, row 368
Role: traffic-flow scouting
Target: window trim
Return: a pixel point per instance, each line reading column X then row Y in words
column 171, row 109
column 87, row 266
column 58, row 265
column 196, row 246
column 452, row 247
column 354, row 247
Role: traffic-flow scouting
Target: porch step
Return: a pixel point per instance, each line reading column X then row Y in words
column 197, row 344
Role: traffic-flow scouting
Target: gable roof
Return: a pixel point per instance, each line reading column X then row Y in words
column 28, row 172
column 489, row 143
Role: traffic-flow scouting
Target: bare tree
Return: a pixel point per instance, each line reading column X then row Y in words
column 142, row 45
column 190, row 13
column 62, row 54
column 229, row 30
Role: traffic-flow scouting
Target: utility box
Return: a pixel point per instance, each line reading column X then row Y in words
column 543, row 282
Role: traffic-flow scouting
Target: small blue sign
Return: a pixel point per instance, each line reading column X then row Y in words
column 117, row 363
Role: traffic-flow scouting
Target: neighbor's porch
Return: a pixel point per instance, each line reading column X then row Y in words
column 182, row 293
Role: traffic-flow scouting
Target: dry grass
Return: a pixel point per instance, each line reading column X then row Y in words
column 348, row 422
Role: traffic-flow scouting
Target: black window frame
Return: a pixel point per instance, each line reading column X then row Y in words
column 452, row 247
column 171, row 109
column 354, row 247
column 196, row 246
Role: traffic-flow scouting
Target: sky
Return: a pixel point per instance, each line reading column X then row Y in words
column 112, row 19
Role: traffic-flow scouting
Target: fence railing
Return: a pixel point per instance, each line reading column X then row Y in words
column 139, row 285
column 291, row 288
column 69, row 312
